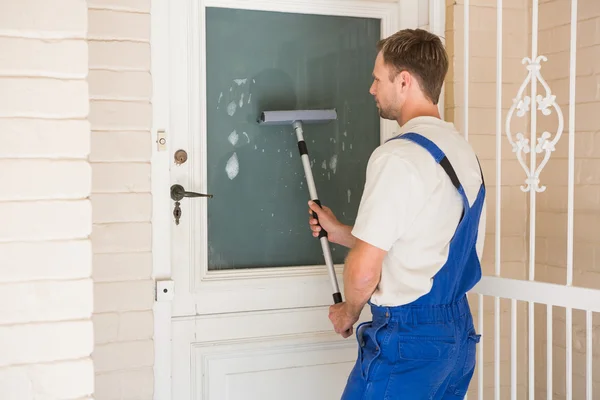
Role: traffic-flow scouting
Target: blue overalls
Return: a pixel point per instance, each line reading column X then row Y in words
column 425, row 349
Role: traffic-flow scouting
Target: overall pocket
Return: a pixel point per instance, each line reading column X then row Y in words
column 461, row 385
column 370, row 345
column 427, row 348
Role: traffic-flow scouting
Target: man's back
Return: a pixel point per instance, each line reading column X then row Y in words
column 431, row 208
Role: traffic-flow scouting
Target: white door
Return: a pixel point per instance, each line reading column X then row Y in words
column 242, row 289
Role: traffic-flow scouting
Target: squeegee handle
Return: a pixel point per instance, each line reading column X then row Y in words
column 322, row 232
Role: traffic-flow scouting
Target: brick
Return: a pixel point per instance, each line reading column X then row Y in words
column 121, row 177
column 482, row 120
column 483, row 69
column 48, row 342
column 119, row 55
column 122, row 237
column 130, row 207
column 125, row 327
column 586, row 114
column 485, row 147
column 46, row 301
column 44, row 179
column 123, row 296
column 106, row 327
column 23, row 261
column 588, row 9
column 29, row 138
column 123, row 355
column 41, row 97
column 587, row 171
column 513, row 249
column 59, row 380
column 126, row 384
column 109, row 24
column 112, row 267
column 557, row 66
column 512, row 172
column 120, row 84
column 32, row 57
column 484, row 95
column 50, row 220
column 557, row 39
column 136, row 325
column 482, row 45
column 134, row 5
column 120, row 115
column 64, row 17
column 484, row 19
column 588, row 226
column 121, row 146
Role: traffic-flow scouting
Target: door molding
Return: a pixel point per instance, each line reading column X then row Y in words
column 201, row 292
column 403, row 13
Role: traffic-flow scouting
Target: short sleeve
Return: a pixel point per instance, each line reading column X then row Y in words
column 386, row 203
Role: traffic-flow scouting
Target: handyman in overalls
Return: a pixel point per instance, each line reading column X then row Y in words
column 417, row 240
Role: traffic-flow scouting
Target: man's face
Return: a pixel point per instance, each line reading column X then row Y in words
column 387, row 93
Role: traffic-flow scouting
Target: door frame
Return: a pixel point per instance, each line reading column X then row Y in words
column 162, row 155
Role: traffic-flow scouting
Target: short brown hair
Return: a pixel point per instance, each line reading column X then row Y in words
column 422, row 54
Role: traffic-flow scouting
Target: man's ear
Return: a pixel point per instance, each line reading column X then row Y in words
column 404, row 80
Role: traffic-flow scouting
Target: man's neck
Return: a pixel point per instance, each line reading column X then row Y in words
column 419, row 110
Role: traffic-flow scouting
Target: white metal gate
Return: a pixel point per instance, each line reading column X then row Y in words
column 535, row 90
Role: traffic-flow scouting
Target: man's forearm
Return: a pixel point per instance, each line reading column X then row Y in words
column 362, row 272
column 344, row 237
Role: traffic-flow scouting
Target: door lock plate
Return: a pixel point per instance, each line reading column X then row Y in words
column 165, row 290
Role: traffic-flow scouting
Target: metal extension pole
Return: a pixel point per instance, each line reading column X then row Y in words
column 337, row 296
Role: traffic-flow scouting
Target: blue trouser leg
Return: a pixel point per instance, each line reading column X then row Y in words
column 396, row 361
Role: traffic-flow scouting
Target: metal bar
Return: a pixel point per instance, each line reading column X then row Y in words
column 497, row 349
column 513, row 350
column 480, row 362
column 540, row 292
column 571, row 165
column 498, row 134
column 532, row 195
column 549, row 346
column 588, row 355
column 466, row 67
column 498, row 234
column 569, row 360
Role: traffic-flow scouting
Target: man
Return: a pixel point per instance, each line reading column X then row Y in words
column 417, row 239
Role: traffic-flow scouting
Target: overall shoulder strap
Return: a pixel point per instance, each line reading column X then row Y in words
column 435, row 152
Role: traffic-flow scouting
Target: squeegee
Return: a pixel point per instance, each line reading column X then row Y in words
column 296, row 118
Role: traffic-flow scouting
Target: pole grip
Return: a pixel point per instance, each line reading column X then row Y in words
column 322, row 232
column 337, row 297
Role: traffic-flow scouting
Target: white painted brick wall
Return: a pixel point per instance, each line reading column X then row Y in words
column 120, row 88
column 46, row 291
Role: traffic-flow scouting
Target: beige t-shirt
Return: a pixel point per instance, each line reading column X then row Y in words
column 410, row 208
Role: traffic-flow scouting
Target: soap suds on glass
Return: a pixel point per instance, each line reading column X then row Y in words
column 349, row 194
column 233, row 167
column 240, row 81
column 242, row 100
column 233, row 138
column 333, row 163
column 231, row 107
column 247, row 137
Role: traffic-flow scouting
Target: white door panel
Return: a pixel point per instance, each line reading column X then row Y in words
column 288, row 354
column 238, row 333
